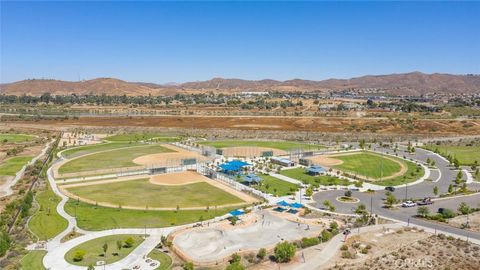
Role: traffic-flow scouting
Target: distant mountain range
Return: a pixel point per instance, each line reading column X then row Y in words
column 415, row 83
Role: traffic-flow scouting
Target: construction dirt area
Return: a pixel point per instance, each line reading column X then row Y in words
column 380, row 125
column 250, row 151
column 473, row 220
column 212, row 245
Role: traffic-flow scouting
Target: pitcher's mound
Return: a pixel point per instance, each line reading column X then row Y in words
column 180, row 178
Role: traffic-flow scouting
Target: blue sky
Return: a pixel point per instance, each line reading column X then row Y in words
column 187, row 41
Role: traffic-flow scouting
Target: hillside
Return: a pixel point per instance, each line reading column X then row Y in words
column 414, row 83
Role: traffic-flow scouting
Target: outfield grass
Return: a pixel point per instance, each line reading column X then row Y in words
column 325, row 180
column 135, row 137
column 413, row 173
column 282, row 145
column 119, row 158
column 90, row 217
column 93, row 148
column 276, row 186
column 11, row 166
column 140, row 193
column 47, row 223
column 466, row 155
column 94, row 249
column 368, row 164
column 15, row 138
column 164, row 259
column 33, row 260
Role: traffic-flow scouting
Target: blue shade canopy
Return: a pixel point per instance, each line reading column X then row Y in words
column 237, row 212
column 233, row 166
column 296, row 205
column 283, row 203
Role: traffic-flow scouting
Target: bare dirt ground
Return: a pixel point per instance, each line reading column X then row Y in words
column 380, row 125
column 169, row 159
column 250, row 152
column 406, row 250
column 174, row 179
column 69, row 139
column 473, row 220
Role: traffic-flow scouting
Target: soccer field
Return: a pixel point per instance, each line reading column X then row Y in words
column 135, row 137
column 369, row 164
column 466, row 155
column 282, row 145
column 14, row 138
column 141, row 193
column 119, row 158
column 93, row 148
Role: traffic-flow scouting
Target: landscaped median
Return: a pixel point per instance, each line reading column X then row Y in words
column 108, row 249
column 321, row 180
column 275, row 186
column 46, row 222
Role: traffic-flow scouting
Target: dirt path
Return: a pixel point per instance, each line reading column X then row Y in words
column 250, row 151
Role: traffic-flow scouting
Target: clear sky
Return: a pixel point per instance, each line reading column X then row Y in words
column 187, row 41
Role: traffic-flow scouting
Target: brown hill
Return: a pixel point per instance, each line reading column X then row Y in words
column 414, row 83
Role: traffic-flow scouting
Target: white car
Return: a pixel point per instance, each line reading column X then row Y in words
column 408, row 204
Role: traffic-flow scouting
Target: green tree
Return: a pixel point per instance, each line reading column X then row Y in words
column 391, row 200
column 435, row 190
column 361, row 209
column 235, row 266
column 78, row 255
column 262, row 253
column 450, row 188
column 91, row 267
column 309, row 192
column 235, row 258
column 188, row 266
column 119, row 245
column 284, row 251
column 423, row 211
column 129, row 242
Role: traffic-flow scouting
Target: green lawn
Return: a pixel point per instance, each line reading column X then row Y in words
column 12, row 165
column 15, row 138
column 33, row 260
column 47, row 223
column 93, row 148
column 282, row 145
column 276, row 186
column 368, row 164
column 466, row 155
column 94, row 249
column 134, row 137
column 164, row 259
column 299, row 174
column 99, row 218
column 140, row 193
column 119, row 158
column 413, row 173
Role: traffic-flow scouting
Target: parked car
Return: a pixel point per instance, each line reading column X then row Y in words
column 425, row 201
column 408, row 204
column 391, row 189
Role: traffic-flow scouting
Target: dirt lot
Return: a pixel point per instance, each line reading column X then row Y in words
column 250, row 152
column 314, row 124
column 473, row 219
column 406, row 250
column 169, row 159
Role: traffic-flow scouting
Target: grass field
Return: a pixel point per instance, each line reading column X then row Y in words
column 164, row 259
column 282, row 145
column 33, row 260
column 12, row 165
column 47, row 223
column 119, row 158
column 325, row 180
column 276, row 186
column 135, row 137
column 141, row 193
column 15, row 138
column 413, row 173
column 93, row 148
column 466, row 155
column 368, row 164
column 99, row 218
column 94, row 251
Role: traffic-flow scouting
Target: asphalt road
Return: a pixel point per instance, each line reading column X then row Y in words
column 443, row 178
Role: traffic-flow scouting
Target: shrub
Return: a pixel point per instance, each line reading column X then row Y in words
column 262, row 253
column 187, row 266
column 325, row 235
column 284, row 251
column 308, row 242
column 344, row 247
column 129, row 242
column 78, row 255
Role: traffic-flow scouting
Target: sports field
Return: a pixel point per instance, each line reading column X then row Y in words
column 370, row 165
column 413, row 173
column 276, row 186
column 282, row 145
column 325, row 180
column 33, row 260
column 466, row 155
column 11, row 166
column 96, row 218
column 93, row 148
column 142, row 193
column 14, row 138
column 94, row 249
column 119, row 158
column 135, row 137
column 46, row 222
